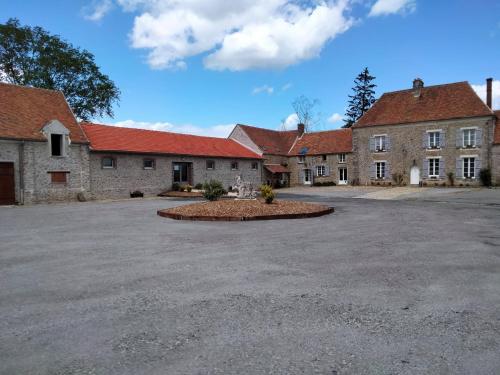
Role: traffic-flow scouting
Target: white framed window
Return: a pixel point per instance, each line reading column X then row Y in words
column 341, row 158
column 108, row 162
column 255, row 166
column 380, row 169
column 434, row 139
column 301, row 159
column 468, row 166
column 210, row 165
column 320, row 170
column 380, row 143
column 148, row 164
column 434, row 167
column 469, row 137
column 234, row 165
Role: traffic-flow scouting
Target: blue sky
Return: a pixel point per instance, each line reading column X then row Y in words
column 196, row 66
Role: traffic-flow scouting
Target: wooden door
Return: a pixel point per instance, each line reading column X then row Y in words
column 7, row 185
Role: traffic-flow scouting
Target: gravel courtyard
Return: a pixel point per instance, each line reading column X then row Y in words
column 406, row 286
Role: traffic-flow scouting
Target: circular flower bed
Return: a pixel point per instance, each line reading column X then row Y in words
column 243, row 210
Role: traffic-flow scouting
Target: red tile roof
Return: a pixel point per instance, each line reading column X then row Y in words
column 24, row 111
column 442, row 102
column 324, row 142
column 496, row 138
column 276, row 168
column 272, row 142
column 118, row 139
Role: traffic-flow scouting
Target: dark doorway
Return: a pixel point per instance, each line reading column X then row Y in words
column 7, row 185
column 182, row 173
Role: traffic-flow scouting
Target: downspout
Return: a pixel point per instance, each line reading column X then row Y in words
column 21, row 172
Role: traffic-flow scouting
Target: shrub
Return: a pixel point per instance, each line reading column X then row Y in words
column 451, row 178
column 136, row 194
column 485, row 176
column 198, row 186
column 189, row 188
column 213, row 190
column 175, row 186
column 398, row 178
column 267, row 193
column 326, row 183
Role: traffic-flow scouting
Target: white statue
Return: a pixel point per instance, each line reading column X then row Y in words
column 245, row 189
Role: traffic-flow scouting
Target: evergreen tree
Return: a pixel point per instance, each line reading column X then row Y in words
column 363, row 98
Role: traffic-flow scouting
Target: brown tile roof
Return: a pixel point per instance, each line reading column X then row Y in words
column 496, row 138
column 114, row 138
column 324, row 142
column 276, row 168
column 24, row 111
column 442, row 102
column 272, row 142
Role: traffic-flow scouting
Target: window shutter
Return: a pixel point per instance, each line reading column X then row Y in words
column 372, row 144
column 387, row 170
column 301, row 176
column 387, row 143
column 426, row 168
column 425, row 140
column 327, row 170
column 477, row 165
column 373, row 170
column 459, row 168
column 479, row 137
column 442, row 139
column 460, row 141
column 441, row 168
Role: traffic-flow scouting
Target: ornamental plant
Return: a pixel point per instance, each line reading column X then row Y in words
column 213, row 190
column 267, row 193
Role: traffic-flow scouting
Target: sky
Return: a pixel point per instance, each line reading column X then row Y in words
column 200, row 66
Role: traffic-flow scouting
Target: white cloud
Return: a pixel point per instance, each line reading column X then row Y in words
column 212, row 131
column 385, row 7
column 268, row 89
column 481, row 91
column 236, row 35
column 286, row 86
column 97, row 9
column 336, row 117
column 290, row 123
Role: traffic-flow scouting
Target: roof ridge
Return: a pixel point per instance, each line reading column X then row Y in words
column 150, row 130
column 267, row 129
column 326, row 131
column 427, row 87
column 31, row 87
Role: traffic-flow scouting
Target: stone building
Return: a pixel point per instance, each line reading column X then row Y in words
column 43, row 151
column 273, row 146
column 425, row 136
column 495, row 152
column 322, row 157
column 123, row 160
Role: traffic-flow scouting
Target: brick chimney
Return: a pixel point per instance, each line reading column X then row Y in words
column 418, row 84
column 489, row 84
column 300, row 129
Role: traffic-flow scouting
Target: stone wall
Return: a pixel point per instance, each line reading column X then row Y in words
column 311, row 161
column 129, row 174
column 38, row 162
column 495, row 167
column 407, row 149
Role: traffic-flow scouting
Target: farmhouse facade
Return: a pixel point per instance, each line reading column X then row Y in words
column 430, row 136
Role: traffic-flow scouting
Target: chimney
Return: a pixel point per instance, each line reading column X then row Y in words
column 489, row 83
column 418, row 84
column 300, row 129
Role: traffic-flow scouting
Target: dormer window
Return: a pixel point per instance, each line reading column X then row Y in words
column 56, row 144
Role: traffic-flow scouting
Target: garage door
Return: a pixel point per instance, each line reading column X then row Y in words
column 7, row 190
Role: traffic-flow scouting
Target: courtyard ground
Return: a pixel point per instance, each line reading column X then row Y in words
column 409, row 285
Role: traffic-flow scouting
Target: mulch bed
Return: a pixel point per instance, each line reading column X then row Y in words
column 243, row 210
column 181, row 194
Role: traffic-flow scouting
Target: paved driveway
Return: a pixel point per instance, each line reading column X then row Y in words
column 379, row 287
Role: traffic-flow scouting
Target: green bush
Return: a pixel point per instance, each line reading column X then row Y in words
column 189, row 188
column 485, row 176
column 451, row 178
column 198, row 186
column 326, row 183
column 267, row 193
column 175, row 186
column 213, row 190
column 398, row 178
